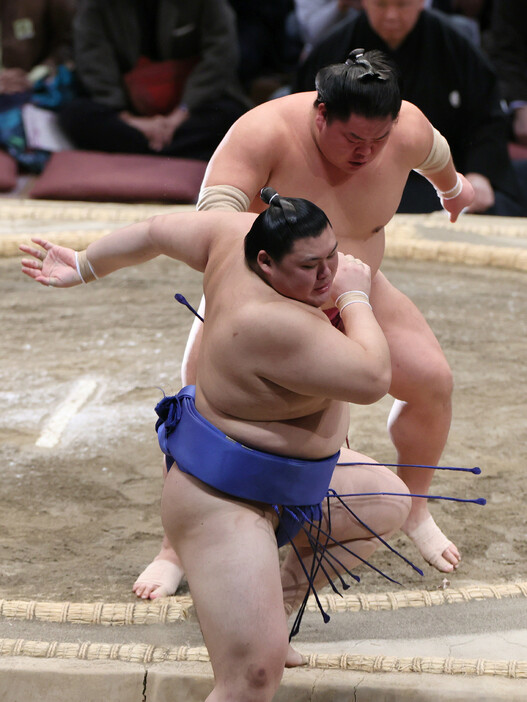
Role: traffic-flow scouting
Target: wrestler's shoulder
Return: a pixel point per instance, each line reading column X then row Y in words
column 410, row 128
column 222, row 228
column 278, row 320
column 275, row 116
column 410, row 118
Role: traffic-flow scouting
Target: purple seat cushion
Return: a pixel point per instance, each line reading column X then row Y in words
column 8, row 172
column 103, row 177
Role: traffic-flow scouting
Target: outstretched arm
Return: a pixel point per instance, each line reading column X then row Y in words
column 431, row 149
column 187, row 237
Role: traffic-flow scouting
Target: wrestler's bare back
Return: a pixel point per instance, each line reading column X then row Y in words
column 233, row 390
column 279, row 149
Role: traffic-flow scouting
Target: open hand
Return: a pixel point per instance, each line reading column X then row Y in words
column 54, row 266
column 175, row 119
column 155, row 129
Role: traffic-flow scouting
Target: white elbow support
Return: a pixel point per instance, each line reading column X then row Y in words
column 223, row 197
column 438, row 157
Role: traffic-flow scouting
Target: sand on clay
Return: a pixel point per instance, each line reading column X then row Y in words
column 79, row 520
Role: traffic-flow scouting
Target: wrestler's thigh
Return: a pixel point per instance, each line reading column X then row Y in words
column 418, row 363
column 229, row 553
column 382, row 513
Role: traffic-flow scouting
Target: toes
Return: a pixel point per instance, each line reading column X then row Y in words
column 451, row 555
column 141, row 590
column 294, row 658
column 159, row 579
column 150, row 592
column 442, row 565
column 447, row 562
column 161, row 591
column 453, row 549
column 144, row 590
column 434, row 546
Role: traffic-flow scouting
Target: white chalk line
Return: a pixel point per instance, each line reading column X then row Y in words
column 68, row 408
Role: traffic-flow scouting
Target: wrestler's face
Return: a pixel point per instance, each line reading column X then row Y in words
column 353, row 144
column 307, row 271
column 393, row 20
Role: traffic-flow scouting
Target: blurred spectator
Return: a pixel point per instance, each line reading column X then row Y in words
column 478, row 10
column 36, row 47
column 468, row 26
column 508, row 51
column 160, row 77
column 270, row 45
column 36, row 37
column 470, row 17
column 316, row 17
column 450, row 80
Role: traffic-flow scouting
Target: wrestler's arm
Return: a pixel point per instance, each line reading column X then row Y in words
column 430, row 156
column 243, row 160
column 317, row 360
column 308, row 356
column 185, row 236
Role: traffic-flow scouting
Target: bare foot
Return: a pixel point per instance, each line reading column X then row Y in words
column 159, row 579
column 434, row 546
column 294, row 659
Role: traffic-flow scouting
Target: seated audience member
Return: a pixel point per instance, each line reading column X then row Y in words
column 478, row 10
column 35, row 38
column 508, row 51
column 316, row 17
column 451, row 81
column 160, row 77
column 468, row 26
column 269, row 44
column 35, row 46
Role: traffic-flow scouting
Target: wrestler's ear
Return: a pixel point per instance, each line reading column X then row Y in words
column 264, row 262
column 321, row 116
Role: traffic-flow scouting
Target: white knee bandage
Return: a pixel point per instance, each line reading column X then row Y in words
column 438, row 157
column 223, row 197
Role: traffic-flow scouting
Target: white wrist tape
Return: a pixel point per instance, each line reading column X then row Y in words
column 353, row 302
column 84, row 267
column 350, row 298
column 453, row 192
column 351, row 292
column 78, row 267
